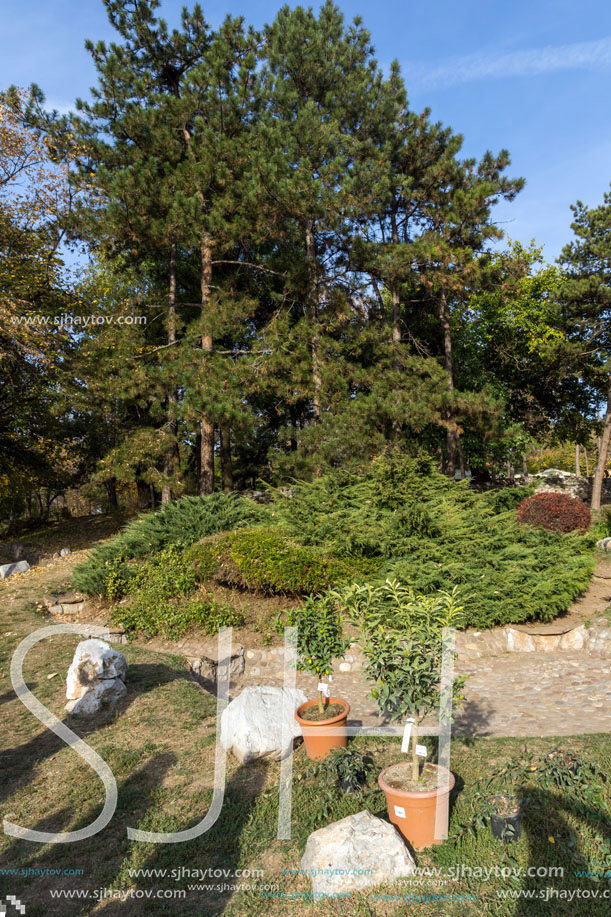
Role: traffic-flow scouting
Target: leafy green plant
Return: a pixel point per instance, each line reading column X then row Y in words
column 117, row 577
column 182, row 521
column 320, row 638
column 156, row 590
column 401, row 638
column 203, row 559
column 343, row 770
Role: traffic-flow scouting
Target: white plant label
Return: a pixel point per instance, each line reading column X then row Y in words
column 421, row 750
column 330, row 677
column 407, row 732
column 399, row 811
column 324, row 689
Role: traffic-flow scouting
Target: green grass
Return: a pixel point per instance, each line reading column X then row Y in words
column 160, row 745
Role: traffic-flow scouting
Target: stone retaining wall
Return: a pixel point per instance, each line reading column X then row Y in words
column 595, row 640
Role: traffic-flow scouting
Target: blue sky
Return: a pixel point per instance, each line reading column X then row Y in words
column 534, row 77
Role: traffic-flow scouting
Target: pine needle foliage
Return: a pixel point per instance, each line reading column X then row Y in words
column 182, row 522
column 434, row 533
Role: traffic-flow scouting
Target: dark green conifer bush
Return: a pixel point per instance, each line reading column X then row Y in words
column 182, row 521
column 431, row 534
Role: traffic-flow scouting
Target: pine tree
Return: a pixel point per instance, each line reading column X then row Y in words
column 312, row 141
column 587, row 295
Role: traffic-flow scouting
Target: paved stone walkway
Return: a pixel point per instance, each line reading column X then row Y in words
column 516, row 694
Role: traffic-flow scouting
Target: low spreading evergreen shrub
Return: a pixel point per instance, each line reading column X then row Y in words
column 556, row 512
column 508, row 573
column 182, row 521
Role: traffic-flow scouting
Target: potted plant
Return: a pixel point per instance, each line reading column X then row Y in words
column 319, row 642
column 401, row 635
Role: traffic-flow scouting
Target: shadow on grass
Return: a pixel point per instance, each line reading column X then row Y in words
column 98, row 857
column 18, row 763
column 217, row 849
column 544, row 818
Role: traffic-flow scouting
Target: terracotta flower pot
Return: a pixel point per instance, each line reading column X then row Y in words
column 414, row 813
column 322, row 736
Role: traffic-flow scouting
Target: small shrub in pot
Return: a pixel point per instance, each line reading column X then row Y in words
column 320, row 641
column 402, row 644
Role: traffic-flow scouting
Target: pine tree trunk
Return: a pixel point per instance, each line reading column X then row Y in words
column 111, row 491
column 143, row 493
column 226, row 466
column 206, row 472
column 168, row 463
column 461, row 459
column 396, row 299
column 577, row 462
column 602, row 455
column 444, row 317
column 313, row 315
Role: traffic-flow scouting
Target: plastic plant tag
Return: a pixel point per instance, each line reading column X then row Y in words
column 399, row 811
column 407, row 732
column 421, row 750
column 324, row 689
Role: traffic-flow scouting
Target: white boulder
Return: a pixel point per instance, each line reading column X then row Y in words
column 252, row 723
column 96, row 677
column 355, row 853
column 99, row 695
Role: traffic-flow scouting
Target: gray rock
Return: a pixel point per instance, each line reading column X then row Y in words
column 95, row 678
column 21, row 566
column 357, row 852
column 252, row 724
column 64, row 552
column 206, row 666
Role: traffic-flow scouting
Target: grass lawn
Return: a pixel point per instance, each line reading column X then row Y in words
column 160, row 746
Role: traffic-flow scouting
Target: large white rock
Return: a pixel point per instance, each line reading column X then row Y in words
column 95, row 678
column 252, row 723
column 22, row 566
column 99, row 695
column 357, row 852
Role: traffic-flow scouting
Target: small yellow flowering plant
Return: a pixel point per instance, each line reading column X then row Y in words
column 319, row 636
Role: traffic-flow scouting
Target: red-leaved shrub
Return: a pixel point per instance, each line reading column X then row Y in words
column 556, row 512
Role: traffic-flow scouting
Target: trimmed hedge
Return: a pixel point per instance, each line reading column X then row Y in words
column 269, row 562
column 182, row 521
column 556, row 512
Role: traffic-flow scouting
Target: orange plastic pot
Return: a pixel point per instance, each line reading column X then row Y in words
column 322, row 736
column 415, row 814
